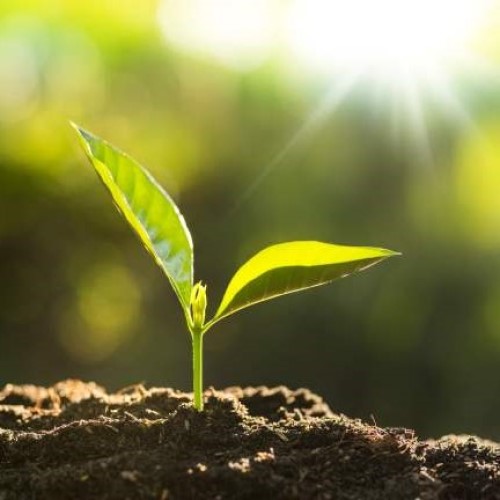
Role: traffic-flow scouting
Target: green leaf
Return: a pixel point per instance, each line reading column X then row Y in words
column 293, row 266
column 148, row 209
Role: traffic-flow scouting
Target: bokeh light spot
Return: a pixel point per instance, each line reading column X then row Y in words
column 102, row 318
column 236, row 32
column 18, row 80
column 478, row 187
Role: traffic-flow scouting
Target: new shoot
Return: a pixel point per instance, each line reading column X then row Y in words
column 277, row 270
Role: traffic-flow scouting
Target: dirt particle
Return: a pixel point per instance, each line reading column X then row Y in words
column 129, row 475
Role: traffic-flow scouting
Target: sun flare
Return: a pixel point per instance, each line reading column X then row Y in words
column 409, row 58
column 382, row 34
column 413, row 54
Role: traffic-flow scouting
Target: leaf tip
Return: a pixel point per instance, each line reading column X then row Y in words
column 385, row 253
column 79, row 130
column 84, row 134
column 393, row 253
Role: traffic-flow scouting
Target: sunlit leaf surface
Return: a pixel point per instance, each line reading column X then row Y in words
column 293, row 266
column 149, row 210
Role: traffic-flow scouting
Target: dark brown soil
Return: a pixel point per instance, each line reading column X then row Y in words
column 74, row 440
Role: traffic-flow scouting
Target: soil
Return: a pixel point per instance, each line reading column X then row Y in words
column 74, row 440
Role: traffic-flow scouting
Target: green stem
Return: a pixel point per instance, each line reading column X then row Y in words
column 197, row 337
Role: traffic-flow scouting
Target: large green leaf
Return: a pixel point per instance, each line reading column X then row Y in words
column 148, row 209
column 290, row 267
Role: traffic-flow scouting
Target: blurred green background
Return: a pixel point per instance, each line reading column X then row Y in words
column 258, row 143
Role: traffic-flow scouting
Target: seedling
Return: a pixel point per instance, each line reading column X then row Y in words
column 277, row 270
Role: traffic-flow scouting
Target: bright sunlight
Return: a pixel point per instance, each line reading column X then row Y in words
column 410, row 53
column 383, row 34
column 410, row 56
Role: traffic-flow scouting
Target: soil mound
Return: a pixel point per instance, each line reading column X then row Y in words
column 74, row 440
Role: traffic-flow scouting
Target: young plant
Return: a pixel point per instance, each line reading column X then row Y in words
column 277, row 270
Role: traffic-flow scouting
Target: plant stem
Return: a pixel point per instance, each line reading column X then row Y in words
column 197, row 337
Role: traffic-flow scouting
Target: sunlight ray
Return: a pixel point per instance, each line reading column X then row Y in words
column 416, row 118
column 331, row 102
column 442, row 89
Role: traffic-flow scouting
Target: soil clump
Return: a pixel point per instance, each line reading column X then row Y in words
column 74, row 441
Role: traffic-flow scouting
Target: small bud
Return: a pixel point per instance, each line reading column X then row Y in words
column 198, row 304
